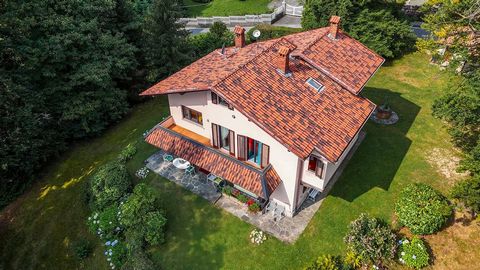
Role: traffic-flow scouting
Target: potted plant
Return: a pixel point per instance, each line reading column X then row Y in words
column 384, row 111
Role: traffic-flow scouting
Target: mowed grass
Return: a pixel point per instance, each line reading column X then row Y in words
column 39, row 227
column 226, row 8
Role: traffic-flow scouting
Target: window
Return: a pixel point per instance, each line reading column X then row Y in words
column 253, row 151
column 216, row 99
column 223, row 138
column 316, row 85
column 316, row 165
column 192, row 115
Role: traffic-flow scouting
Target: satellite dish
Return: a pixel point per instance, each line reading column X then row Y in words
column 256, row 34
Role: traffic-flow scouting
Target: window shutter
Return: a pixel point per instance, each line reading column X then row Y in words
column 214, row 98
column 215, row 136
column 265, row 155
column 231, row 138
column 319, row 169
column 242, row 147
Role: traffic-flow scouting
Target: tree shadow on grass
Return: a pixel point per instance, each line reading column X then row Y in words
column 191, row 222
column 378, row 158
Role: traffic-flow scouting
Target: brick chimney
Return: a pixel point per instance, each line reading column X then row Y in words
column 334, row 26
column 239, row 36
column 283, row 62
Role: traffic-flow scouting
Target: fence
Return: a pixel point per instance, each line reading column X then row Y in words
column 247, row 20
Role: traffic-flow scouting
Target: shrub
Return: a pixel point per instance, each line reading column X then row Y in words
column 116, row 253
column 110, row 183
column 371, row 239
column 352, row 260
column 468, row 193
column 325, row 262
column 242, row 198
column 422, row 209
column 82, row 248
column 127, row 153
column 254, row 207
column 105, row 223
column 269, row 32
column 227, row 190
column 257, row 237
column 138, row 204
column 413, row 253
column 154, row 228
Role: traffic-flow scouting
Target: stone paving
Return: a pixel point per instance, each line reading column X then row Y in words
column 286, row 229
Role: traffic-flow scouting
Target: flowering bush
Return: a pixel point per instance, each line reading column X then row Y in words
column 105, row 223
column 227, row 190
column 257, row 237
column 422, row 209
column 235, row 192
column 142, row 173
column 371, row 239
column 110, row 183
column 413, row 253
column 116, row 253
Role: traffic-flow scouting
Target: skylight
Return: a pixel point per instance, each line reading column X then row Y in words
column 318, row 86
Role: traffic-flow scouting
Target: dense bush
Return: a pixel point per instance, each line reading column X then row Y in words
column 204, row 43
column 82, row 248
column 110, row 183
column 127, row 153
column 105, row 223
column 378, row 24
column 422, row 209
column 413, row 253
column 325, row 262
column 468, row 192
column 269, row 31
column 140, row 213
column 371, row 239
column 116, row 254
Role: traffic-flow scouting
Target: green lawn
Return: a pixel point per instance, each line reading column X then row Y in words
column 226, row 8
column 37, row 229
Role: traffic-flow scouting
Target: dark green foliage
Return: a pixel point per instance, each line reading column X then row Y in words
column 227, row 190
column 105, row 223
column 202, row 1
column 254, row 207
column 468, row 192
column 109, row 184
column 325, row 262
column 204, row 43
column 422, row 209
column 82, row 248
column 165, row 45
column 376, row 23
column 242, row 198
column 269, row 31
column 127, row 153
column 414, row 253
column 371, row 239
column 140, row 213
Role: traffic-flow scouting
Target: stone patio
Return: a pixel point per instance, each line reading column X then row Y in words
column 286, row 229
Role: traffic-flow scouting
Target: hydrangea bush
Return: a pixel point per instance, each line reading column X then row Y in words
column 257, row 237
column 105, row 223
column 422, row 209
column 116, row 253
column 142, row 173
column 413, row 253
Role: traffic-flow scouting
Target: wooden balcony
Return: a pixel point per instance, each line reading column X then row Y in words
column 170, row 124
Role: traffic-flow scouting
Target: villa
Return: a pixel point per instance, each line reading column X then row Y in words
column 274, row 119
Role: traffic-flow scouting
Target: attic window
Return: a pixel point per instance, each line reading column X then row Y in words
column 318, row 86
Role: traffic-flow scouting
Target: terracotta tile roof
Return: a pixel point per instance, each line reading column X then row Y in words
column 286, row 107
column 293, row 112
column 212, row 160
column 344, row 59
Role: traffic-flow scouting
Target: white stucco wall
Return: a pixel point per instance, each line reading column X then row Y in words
column 284, row 162
column 330, row 168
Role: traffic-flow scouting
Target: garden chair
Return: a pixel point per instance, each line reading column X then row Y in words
column 271, row 206
column 190, row 170
column 313, row 194
column 167, row 158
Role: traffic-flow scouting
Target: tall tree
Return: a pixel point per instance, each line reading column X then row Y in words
column 165, row 39
column 376, row 23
